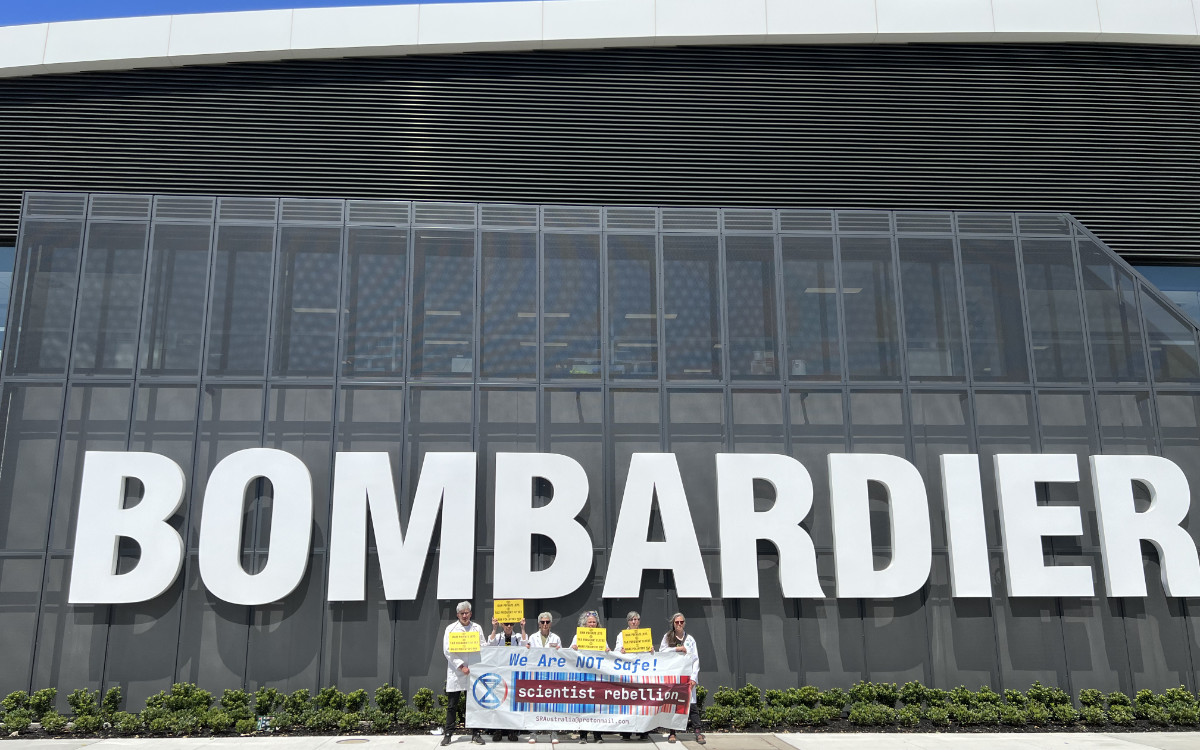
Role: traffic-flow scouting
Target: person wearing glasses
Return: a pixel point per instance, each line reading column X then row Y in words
column 506, row 637
column 543, row 638
column 677, row 639
column 458, row 670
column 633, row 621
column 589, row 619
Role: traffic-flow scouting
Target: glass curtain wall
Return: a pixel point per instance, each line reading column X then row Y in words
column 197, row 326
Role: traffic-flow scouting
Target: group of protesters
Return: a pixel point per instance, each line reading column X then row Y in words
column 504, row 634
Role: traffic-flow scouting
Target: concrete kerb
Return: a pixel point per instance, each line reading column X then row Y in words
column 719, row 741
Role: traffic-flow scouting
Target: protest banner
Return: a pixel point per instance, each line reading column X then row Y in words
column 509, row 610
column 637, row 641
column 462, row 643
column 543, row 689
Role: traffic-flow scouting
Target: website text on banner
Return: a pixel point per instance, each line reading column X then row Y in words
column 544, row 689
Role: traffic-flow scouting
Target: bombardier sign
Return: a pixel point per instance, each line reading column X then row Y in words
column 364, row 493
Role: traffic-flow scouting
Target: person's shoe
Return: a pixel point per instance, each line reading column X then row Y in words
column 512, row 736
column 497, row 736
column 477, row 738
column 583, row 738
column 445, row 739
column 699, row 738
column 599, row 737
column 554, row 738
column 671, row 737
column 533, row 738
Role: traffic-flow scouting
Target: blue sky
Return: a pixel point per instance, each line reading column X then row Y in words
column 14, row 12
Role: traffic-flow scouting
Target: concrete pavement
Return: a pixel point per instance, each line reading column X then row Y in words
column 716, row 741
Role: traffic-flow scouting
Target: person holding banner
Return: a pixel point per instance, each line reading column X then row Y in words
column 458, row 669
column 543, row 638
column 589, row 619
column 677, row 639
column 507, row 638
column 633, row 621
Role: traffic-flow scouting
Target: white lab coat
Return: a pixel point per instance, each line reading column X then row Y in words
column 456, row 681
column 620, row 644
column 689, row 643
column 537, row 641
column 575, row 637
column 498, row 639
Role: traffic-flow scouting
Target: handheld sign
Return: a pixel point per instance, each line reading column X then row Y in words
column 461, row 643
column 591, row 639
column 509, row 610
column 636, row 641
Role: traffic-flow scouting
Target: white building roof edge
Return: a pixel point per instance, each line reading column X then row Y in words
column 165, row 41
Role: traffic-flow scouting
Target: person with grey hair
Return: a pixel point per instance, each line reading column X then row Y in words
column 543, row 638
column 677, row 639
column 458, row 670
column 589, row 619
column 633, row 621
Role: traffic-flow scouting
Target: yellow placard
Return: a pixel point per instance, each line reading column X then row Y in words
column 591, row 639
column 464, row 642
column 509, row 610
column 637, row 641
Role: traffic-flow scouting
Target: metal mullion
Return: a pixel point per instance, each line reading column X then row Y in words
column 840, row 307
column 664, row 402
column 963, row 313
column 722, row 280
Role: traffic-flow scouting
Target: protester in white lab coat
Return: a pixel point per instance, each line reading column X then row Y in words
column 677, row 639
column 589, row 619
column 543, row 638
column 458, row 669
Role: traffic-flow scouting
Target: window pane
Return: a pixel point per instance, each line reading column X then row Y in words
column 306, row 311
column 994, row 323
column 818, row 429
column 810, row 299
column 1052, row 297
column 758, row 422
column 632, row 307
column 750, row 275
column 241, row 308
column 1111, row 317
column 444, row 303
column 8, row 256
column 300, row 422
column 940, row 425
column 110, row 299
column 1172, row 343
column 571, row 299
column 45, row 297
column 932, row 320
column 175, row 305
column 692, row 307
column 1125, row 423
column 869, row 300
column 509, row 284
column 30, row 417
column 575, row 427
column 635, row 423
column 507, row 424
column 376, row 289
column 696, row 434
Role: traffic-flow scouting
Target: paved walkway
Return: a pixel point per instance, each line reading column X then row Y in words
column 718, row 741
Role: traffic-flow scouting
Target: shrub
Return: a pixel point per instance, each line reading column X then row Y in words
column 701, row 696
column 1179, row 695
column 389, row 699
column 825, row 714
column 770, row 717
column 330, row 697
column 964, row 715
column 989, row 713
column 797, row 716
column 1013, row 715
column 125, row 723
column 936, row 697
column 805, row 696
column 1120, row 715
column 42, row 701
column 219, row 721
column 83, row 702
column 1183, row 714
column 742, row 717
column 960, row 696
column 423, row 699
column 1064, row 713
column 1093, row 715
column 357, row 700
column 17, row 720
column 380, row 721
column 862, row 692
column 886, row 693
column 1118, row 699
column 348, row 722
column 938, row 716
column 835, row 697
column 750, row 696
column 986, row 695
column 773, row 697
column 15, row 701
column 298, row 702
column 1015, row 698
column 87, row 724
column 1089, row 697
column 266, row 700
column 245, row 726
column 1038, row 713
column 913, row 693
column 1157, row 715
column 111, row 703
column 872, row 714
column 54, row 722
column 910, row 715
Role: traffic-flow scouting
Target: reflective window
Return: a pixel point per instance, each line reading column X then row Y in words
column 632, row 307
column 696, row 434
column 45, row 297
column 818, row 428
column 810, row 309
column 376, row 296
column 8, row 254
column 869, row 300
column 508, row 339
column 1171, row 341
column 240, row 316
column 1180, row 284
column 110, row 291
column 750, row 276
column 574, row 426
column 1111, row 316
column 443, row 303
column 932, row 321
column 691, row 307
column 994, row 326
column 174, row 326
column 1052, row 298
column 571, row 306
column 306, row 309
column 30, row 418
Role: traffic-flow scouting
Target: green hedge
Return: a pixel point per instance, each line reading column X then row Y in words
column 187, row 710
